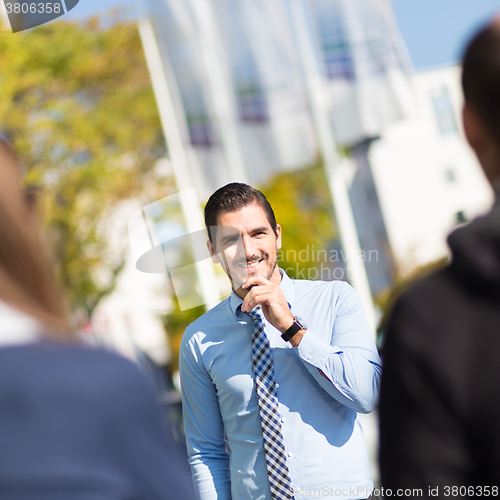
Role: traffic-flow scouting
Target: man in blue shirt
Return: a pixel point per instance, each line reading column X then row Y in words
column 325, row 374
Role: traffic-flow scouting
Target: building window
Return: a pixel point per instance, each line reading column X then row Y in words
column 197, row 117
column 460, row 218
column 251, row 99
column 252, row 105
column 443, row 110
column 450, row 175
column 200, row 131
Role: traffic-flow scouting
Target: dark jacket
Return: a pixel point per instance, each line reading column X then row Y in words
column 81, row 424
column 440, row 395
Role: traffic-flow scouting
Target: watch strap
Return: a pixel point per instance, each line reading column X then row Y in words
column 288, row 334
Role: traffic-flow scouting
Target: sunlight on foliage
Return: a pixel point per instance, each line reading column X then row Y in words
column 77, row 103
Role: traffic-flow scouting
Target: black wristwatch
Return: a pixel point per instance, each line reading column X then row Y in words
column 298, row 324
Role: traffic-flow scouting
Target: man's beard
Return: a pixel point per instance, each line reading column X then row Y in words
column 267, row 277
column 234, row 279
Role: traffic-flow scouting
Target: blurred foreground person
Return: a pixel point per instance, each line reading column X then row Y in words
column 75, row 423
column 439, row 402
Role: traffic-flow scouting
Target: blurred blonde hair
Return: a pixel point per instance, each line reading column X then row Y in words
column 27, row 280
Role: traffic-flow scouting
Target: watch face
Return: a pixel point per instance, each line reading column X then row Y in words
column 301, row 323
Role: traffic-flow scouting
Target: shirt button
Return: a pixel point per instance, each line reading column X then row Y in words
column 277, row 385
column 309, row 357
column 283, row 420
column 290, row 454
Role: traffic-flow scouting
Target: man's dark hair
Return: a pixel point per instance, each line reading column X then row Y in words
column 233, row 197
column 481, row 76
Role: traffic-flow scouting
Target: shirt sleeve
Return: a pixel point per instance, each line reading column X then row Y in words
column 203, row 427
column 350, row 360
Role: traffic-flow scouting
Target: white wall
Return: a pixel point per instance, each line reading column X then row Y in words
column 409, row 165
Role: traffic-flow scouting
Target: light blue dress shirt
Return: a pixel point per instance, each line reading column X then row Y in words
column 326, row 453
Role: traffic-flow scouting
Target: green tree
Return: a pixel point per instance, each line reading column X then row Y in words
column 76, row 101
column 302, row 204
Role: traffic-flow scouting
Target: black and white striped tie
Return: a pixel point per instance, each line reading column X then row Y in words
column 265, row 384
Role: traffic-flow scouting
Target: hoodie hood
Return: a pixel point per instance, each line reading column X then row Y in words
column 476, row 250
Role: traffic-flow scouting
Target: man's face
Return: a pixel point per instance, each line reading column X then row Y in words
column 246, row 245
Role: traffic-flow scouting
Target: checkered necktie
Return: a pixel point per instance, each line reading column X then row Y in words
column 265, row 384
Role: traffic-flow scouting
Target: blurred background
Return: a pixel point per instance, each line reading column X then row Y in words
column 345, row 113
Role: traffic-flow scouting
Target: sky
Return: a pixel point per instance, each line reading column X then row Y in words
column 434, row 31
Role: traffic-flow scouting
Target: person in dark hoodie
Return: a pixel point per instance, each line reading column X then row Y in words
column 440, row 406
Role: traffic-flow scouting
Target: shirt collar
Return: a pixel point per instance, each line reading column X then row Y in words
column 17, row 327
column 286, row 286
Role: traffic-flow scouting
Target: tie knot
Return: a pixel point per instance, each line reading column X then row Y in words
column 256, row 313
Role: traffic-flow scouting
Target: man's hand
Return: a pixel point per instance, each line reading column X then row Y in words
column 270, row 297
